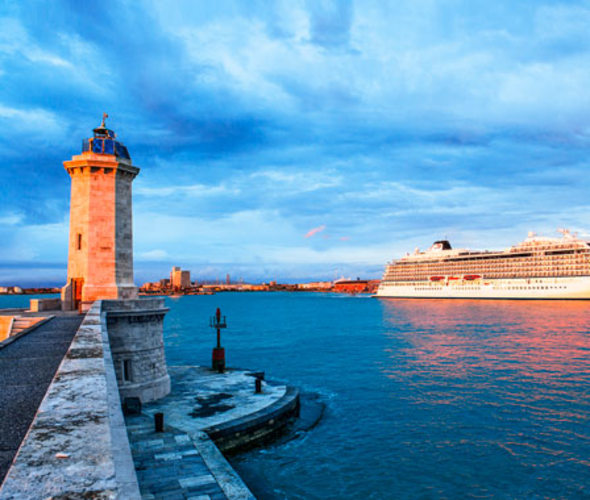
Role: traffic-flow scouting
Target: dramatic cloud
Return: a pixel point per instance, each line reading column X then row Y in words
column 391, row 123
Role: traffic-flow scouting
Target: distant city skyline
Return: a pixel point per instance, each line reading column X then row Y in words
column 296, row 141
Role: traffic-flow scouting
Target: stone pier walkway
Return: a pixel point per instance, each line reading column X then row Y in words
column 169, row 465
column 27, row 366
column 183, row 462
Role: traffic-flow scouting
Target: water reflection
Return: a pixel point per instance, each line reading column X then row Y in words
column 507, row 380
column 529, row 338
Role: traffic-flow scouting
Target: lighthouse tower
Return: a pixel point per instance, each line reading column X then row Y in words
column 100, row 255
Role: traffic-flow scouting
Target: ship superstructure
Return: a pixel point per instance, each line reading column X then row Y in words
column 537, row 268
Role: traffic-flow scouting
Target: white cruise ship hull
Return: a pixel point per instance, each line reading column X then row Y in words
column 574, row 287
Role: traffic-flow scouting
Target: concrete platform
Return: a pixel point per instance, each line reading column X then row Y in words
column 205, row 407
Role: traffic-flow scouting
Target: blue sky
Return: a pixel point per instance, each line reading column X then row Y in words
column 297, row 140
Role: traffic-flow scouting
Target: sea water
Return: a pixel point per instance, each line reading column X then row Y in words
column 424, row 398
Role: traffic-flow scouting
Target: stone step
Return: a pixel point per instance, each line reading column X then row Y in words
column 21, row 323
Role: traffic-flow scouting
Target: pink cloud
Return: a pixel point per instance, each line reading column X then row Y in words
column 315, row 230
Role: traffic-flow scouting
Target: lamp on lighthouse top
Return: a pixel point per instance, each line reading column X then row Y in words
column 105, row 142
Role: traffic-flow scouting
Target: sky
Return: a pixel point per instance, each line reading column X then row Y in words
column 296, row 140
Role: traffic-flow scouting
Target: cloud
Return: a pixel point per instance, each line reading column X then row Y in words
column 37, row 121
column 10, row 219
column 314, row 231
column 389, row 123
column 157, row 254
column 194, row 190
column 331, row 21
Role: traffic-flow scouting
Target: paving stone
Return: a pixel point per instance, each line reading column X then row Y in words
column 171, row 461
column 193, row 482
column 168, row 465
column 172, row 495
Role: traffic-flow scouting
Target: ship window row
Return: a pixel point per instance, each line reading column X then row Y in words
column 495, row 257
column 561, row 269
column 527, row 270
column 501, row 265
column 524, row 273
column 536, row 262
column 439, row 284
column 548, row 287
column 547, row 261
column 406, row 278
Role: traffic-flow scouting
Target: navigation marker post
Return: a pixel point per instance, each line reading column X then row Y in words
column 218, row 357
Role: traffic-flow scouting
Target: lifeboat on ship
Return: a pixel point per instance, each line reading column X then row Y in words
column 471, row 277
column 453, row 278
column 437, row 278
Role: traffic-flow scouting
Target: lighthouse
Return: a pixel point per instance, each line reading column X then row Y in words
column 100, row 265
column 100, row 252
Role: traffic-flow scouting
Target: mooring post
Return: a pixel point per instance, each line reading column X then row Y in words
column 159, row 422
column 218, row 356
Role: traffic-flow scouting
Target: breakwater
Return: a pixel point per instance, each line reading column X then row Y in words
column 77, row 444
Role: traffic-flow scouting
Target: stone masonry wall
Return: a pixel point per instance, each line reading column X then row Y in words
column 124, row 228
column 136, row 335
column 79, row 196
column 100, row 244
column 77, row 446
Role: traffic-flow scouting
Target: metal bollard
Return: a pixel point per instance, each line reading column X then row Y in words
column 258, row 385
column 159, row 422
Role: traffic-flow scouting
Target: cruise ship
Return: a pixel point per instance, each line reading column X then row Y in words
column 537, row 268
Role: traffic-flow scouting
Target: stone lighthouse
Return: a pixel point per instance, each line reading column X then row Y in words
column 100, row 255
column 100, row 265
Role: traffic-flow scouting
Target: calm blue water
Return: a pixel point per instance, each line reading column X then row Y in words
column 19, row 301
column 425, row 399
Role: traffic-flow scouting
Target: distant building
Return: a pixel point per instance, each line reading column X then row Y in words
column 150, row 287
column 175, row 269
column 316, row 285
column 180, row 279
column 356, row 286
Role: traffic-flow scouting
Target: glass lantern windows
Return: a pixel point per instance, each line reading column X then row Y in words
column 105, row 146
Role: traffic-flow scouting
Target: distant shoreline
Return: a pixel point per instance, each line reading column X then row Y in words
column 29, row 291
column 297, row 290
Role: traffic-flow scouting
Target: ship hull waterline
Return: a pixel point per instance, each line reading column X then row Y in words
column 562, row 288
